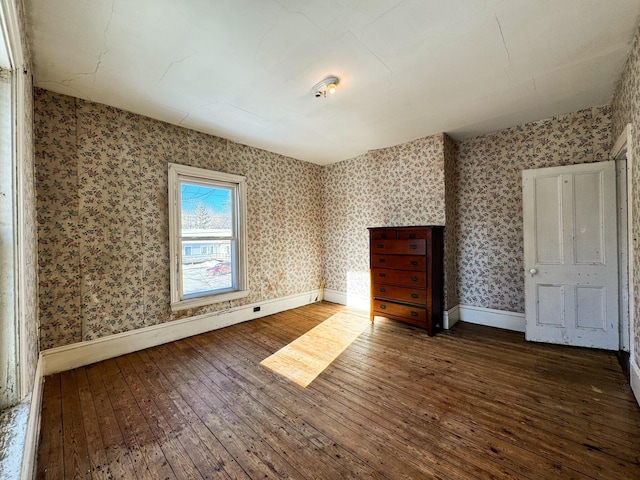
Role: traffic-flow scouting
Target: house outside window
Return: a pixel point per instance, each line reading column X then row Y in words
column 207, row 224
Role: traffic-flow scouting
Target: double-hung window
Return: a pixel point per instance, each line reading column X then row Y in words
column 208, row 236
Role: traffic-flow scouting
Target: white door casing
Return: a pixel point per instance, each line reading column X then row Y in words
column 570, row 253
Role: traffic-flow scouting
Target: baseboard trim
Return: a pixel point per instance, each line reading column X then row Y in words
column 492, row 318
column 451, row 317
column 344, row 298
column 80, row 354
column 27, row 469
column 634, row 372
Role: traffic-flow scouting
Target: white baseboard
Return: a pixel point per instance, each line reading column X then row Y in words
column 451, row 317
column 350, row 300
column 79, row 354
column 29, row 453
column 492, row 318
column 634, row 374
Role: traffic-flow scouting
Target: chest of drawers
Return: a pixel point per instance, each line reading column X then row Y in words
column 406, row 273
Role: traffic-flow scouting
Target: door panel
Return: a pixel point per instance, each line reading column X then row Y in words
column 550, row 303
column 571, row 269
column 548, row 194
column 591, row 312
column 589, row 240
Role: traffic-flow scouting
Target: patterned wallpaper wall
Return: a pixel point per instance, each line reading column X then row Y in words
column 626, row 109
column 400, row 185
column 489, row 198
column 103, row 221
column 103, row 227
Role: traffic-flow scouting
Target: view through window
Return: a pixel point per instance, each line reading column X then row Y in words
column 208, row 236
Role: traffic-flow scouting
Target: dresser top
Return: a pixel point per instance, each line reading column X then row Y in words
column 405, row 227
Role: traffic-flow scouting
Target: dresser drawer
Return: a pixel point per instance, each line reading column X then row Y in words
column 399, row 277
column 399, row 262
column 413, row 314
column 413, row 233
column 383, row 234
column 399, row 247
column 401, row 294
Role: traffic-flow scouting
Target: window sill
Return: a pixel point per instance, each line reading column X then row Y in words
column 13, row 428
column 208, row 300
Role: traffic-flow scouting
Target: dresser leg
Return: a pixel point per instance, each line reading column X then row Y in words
column 371, row 318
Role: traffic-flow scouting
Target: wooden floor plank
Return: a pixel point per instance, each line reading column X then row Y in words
column 136, row 433
column 175, row 453
column 178, row 437
column 263, row 460
column 173, row 402
column 121, row 462
column 453, row 432
column 272, row 420
column 373, row 441
column 502, row 410
column 76, row 453
column 472, row 402
column 51, row 451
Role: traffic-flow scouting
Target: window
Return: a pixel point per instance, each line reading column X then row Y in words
column 207, row 245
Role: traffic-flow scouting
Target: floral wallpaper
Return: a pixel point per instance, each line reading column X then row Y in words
column 625, row 108
column 488, row 198
column 400, row 185
column 58, row 229
column 103, row 226
column 102, row 211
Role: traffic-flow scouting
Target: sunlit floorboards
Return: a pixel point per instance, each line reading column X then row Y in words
column 473, row 402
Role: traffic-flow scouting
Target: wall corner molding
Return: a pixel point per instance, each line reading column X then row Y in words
column 451, row 317
column 79, row 354
column 30, row 451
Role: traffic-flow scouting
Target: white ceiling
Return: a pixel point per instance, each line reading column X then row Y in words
column 244, row 69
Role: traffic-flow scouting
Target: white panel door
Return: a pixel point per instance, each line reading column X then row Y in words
column 570, row 254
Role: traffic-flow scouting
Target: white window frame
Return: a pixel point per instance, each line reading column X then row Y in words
column 177, row 174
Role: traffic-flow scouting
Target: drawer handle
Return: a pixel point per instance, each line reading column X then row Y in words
column 414, row 314
column 412, row 235
column 383, row 275
column 414, row 263
column 380, row 245
column 414, row 295
column 383, row 307
column 383, row 290
column 384, row 235
column 413, row 279
column 381, row 260
column 413, row 246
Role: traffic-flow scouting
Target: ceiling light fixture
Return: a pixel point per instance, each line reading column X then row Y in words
column 321, row 88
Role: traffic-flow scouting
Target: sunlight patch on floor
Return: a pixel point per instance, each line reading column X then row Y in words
column 307, row 356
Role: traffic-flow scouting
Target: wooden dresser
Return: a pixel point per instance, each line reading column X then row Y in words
column 406, row 269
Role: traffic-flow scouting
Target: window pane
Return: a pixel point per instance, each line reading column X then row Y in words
column 207, row 266
column 206, row 210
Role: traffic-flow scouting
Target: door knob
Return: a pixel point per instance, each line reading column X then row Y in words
column 533, row 271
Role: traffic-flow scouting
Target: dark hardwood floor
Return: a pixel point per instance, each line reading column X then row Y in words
column 472, row 402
